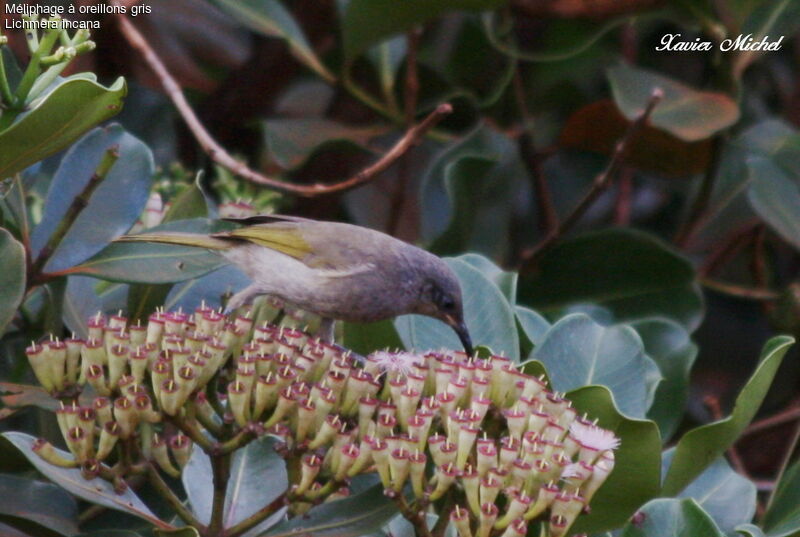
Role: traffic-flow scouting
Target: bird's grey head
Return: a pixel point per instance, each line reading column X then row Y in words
column 440, row 297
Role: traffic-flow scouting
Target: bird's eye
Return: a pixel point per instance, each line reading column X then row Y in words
column 447, row 303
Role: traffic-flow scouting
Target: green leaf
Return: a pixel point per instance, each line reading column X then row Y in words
column 272, row 19
column 668, row 344
column 72, row 108
column 775, row 197
column 95, row 491
column 109, row 212
column 186, row 531
column 669, row 517
column 633, row 274
column 577, row 351
column 487, row 313
column 751, row 530
column 252, row 467
column 154, row 263
column 773, row 20
column 699, row 447
column 685, row 112
column 291, row 142
column 783, row 514
column 12, row 277
column 364, row 338
column 533, row 326
column 636, row 474
column 350, row 517
column 43, row 505
column 367, row 22
column 467, row 191
column 209, row 288
column 506, row 281
column 726, row 496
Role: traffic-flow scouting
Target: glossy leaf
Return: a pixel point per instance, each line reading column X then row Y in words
column 769, row 19
column 533, row 325
column 488, row 315
column 670, row 517
column 12, row 277
column 251, row 468
column 41, row 504
column 699, row 447
column 109, row 213
column 367, row 22
column 291, row 142
column 685, row 112
column 208, row 288
column 95, row 491
column 272, row 19
column 751, row 530
column 668, row 344
column 727, row 497
column 506, row 281
column 17, row 396
column 783, row 515
column 577, row 352
column 350, row 517
column 73, row 107
column 775, row 197
column 633, row 274
column 635, row 478
column 154, row 263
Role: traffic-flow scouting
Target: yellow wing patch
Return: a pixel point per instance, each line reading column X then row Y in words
column 287, row 241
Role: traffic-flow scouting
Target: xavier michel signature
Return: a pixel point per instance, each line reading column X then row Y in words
column 673, row 43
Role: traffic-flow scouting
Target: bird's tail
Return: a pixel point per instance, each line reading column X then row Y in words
column 183, row 239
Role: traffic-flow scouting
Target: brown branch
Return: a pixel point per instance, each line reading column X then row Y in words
column 739, row 291
column 546, row 211
column 712, row 403
column 698, row 213
column 411, row 98
column 257, row 517
column 727, row 249
column 786, row 416
column 163, row 490
column 219, row 155
column 599, row 185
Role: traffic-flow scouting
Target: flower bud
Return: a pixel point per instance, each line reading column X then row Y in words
column 286, row 404
column 418, row 427
column 96, row 378
column 601, row 471
column 491, row 484
column 399, row 468
column 305, row 419
column 459, row 517
column 158, row 450
column 486, row 519
column 326, row 432
column 487, row 457
column 380, row 454
column 309, row 468
column 56, row 356
column 518, row 528
column 181, row 448
column 125, row 416
column 466, row 439
column 348, row 455
column 417, row 462
column 48, row 453
column 470, row 480
column 102, row 409
column 444, row 476
column 109, row 434
column 95, row 327
column 117, row 362
column 545, row 497
column 160, row 372
column 239, row 402
column 38, row 357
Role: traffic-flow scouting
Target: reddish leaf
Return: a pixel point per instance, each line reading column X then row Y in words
column 598, row 126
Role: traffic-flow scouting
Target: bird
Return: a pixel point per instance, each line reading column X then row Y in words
column 337, row 270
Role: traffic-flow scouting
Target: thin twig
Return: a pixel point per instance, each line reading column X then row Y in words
column 256, row 518
column 698, row 212
column 786, row 416
column 158, row 483
column 411, row 98
column 219, row 155
column 546, row 211
column 599, row 185
column 739, row 291
column 727, row 249
column 622, row 207
column 77, row 206
column 784, row 465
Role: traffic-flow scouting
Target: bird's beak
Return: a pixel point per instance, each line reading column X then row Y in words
column 463, row 334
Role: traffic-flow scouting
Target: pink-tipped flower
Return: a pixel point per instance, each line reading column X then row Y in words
column 459, row 517
column 394, row 363
column 593, row 440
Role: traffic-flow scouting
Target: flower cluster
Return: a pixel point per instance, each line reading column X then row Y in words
column 476, row 434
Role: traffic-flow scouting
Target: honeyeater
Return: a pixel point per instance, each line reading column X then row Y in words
column 336, row 270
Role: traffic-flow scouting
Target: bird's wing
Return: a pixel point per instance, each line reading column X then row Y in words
column 265, row 219
column 285, row 239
